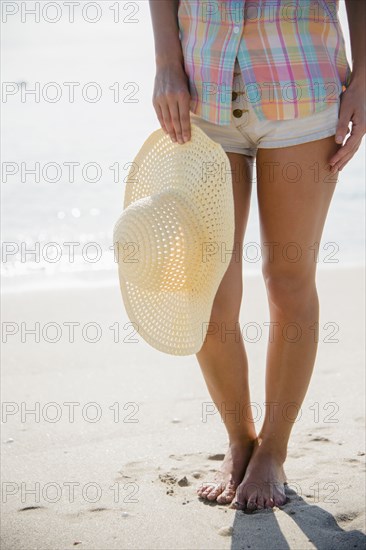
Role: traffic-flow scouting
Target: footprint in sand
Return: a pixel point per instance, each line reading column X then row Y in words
column 28, row 508
column 132, row 471
column 170, row 481
column 346, row 517
column 191, row 467
column 184, row 471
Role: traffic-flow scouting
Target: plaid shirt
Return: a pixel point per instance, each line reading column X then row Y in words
column 291, row 54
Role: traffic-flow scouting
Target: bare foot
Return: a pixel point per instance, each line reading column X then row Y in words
column 226, row 480
column 264, row 482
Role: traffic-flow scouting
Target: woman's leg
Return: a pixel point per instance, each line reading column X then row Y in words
column 294, row 192
column 222, row 357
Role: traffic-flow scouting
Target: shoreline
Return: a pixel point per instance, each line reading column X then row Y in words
column 89, row 279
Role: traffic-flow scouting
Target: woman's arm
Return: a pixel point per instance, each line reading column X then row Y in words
column 166, row 33
column 353, row 99
column 171, row 97
column 356, row 15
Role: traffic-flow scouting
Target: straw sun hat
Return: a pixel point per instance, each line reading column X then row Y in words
column 174, row 238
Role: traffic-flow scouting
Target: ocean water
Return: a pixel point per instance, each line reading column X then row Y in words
column 66, row 148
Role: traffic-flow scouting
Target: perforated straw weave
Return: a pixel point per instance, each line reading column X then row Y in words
column 174, row 239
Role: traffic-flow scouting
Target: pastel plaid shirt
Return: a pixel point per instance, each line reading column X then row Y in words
column 291, row 54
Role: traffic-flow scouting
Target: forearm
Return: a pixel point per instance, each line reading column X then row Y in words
column 356, row 15
column 164, row 18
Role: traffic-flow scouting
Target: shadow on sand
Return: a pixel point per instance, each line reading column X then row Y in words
column 261, row 531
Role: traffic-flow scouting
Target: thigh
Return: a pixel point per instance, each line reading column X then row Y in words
column 242, row 175
column 294, row 188
column 229, row 293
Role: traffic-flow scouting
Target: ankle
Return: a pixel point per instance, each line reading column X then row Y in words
column 243, row 440
column 275, row 449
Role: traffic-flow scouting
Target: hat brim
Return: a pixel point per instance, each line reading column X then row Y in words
column 176, row 322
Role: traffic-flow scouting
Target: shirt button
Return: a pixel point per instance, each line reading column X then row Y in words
column 237, row 113
column 234, row 95
column 236, row 30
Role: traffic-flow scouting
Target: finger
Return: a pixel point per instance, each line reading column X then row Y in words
column 341, row 155
column 352, row 144
column 353, row 150
column 345, row 116
column 174, row 113
column 344, row 162
column 185, row 121
column 159, row 114
column 341, row 164
column 167, row 121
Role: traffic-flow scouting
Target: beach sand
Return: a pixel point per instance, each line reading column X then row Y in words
column 145, row 434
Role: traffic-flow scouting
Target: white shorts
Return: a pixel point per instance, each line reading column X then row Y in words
column 246, row 133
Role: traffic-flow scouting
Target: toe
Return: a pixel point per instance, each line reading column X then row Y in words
column 252, row 501
column 269, row 502
column 260, row 502
column 227, row 495
column 280, row 499
column 237, row 503
column 215, row 492
column 251, row 505
column 206, row 490
column 268, row 495
column 201, row 489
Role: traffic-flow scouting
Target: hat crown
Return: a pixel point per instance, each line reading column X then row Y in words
column 159, row 241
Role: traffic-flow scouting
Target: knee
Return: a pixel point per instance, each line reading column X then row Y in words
column 290, row 290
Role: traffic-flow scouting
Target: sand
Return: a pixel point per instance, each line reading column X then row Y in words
column 139, row 444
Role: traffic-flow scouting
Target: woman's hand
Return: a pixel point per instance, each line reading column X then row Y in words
column 352, row 109
column 171, row 99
